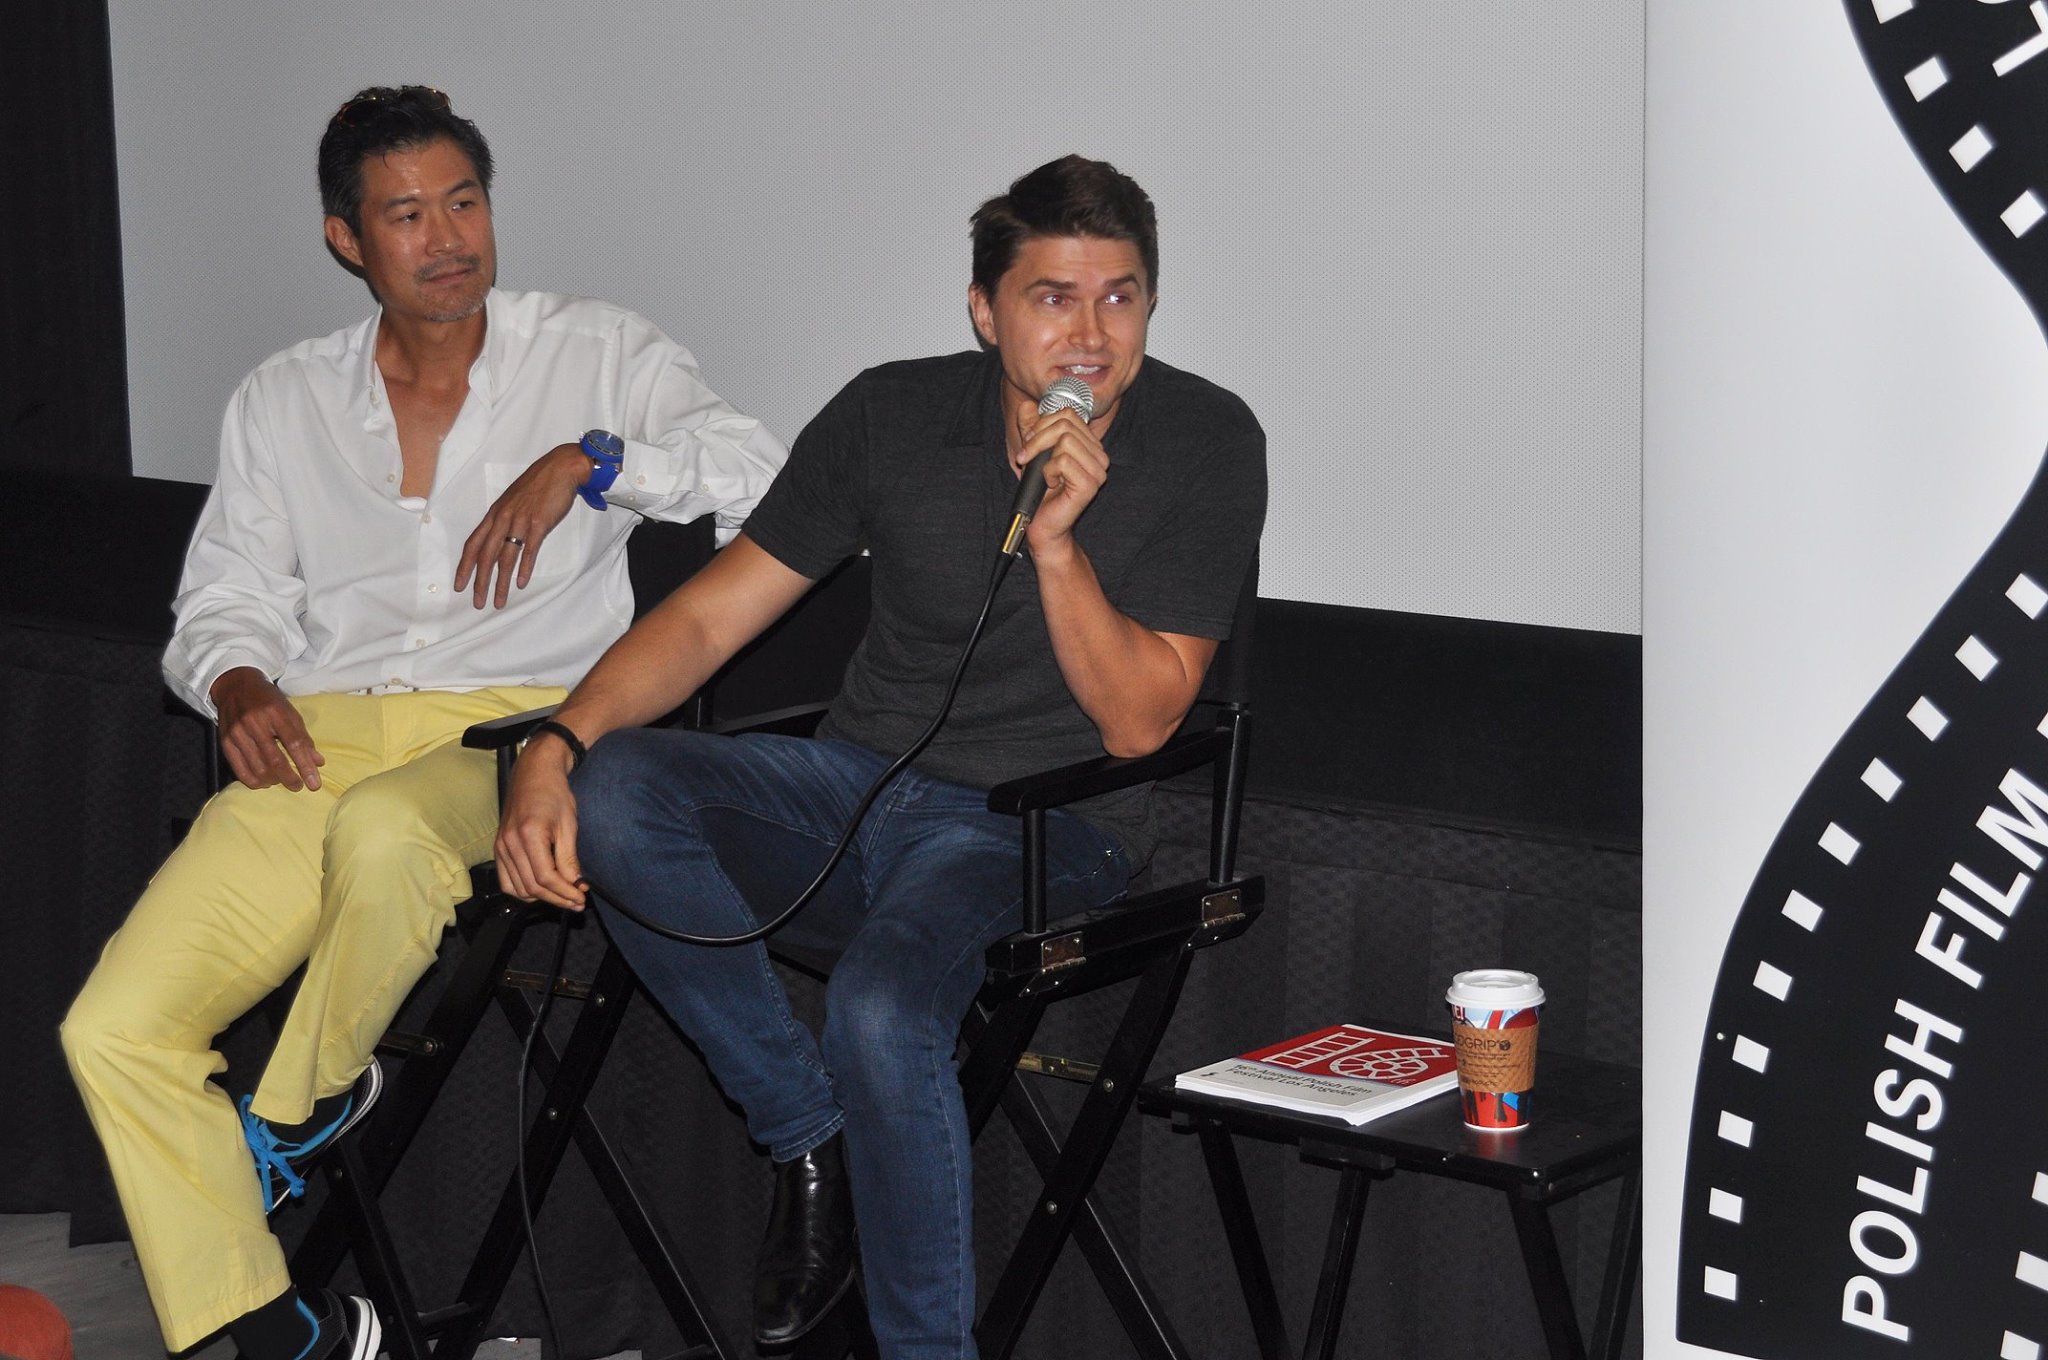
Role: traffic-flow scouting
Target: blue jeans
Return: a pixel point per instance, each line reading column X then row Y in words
column 710, row 835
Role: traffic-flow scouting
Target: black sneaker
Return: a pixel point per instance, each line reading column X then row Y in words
column 278, row 1161
column 348, row 1330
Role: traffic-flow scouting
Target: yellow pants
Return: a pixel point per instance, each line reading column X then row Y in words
column 356, row 880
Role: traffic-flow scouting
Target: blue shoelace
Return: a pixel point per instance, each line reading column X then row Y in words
column 274, row 1157
column 304, row 1311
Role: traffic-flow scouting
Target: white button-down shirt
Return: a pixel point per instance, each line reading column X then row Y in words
column 309, row 565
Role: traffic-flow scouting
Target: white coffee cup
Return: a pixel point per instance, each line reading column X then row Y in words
column 1496, row 1015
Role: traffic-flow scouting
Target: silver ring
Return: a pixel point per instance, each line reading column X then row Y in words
column 515, row 540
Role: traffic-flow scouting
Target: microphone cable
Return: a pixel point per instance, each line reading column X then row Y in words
column 1064, row 392
column 1003, row 563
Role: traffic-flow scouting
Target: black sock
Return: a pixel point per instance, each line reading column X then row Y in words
column 280, row 1329
column 326, row 1110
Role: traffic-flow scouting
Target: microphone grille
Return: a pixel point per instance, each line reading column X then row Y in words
column 1065, row 392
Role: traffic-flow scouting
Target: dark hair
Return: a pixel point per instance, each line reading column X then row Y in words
column 1072, row 196
column 383, row 119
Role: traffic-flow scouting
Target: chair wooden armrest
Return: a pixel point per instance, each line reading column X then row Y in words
column 798, row 720
column 498, row 733
column 1106, row 774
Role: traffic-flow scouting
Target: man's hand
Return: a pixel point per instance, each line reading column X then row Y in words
column 537, row 832
column 1134, row 683
column 261, row 734
column 508, row 540
column 1073, row 474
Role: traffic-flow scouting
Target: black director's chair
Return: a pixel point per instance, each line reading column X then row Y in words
column 1150, row 937
column 351, row 1221
column 779, row 667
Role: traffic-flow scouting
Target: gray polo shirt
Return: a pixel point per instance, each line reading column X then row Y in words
column 908, row 463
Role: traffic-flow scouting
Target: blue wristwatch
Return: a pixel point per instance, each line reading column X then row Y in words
column 607, row 454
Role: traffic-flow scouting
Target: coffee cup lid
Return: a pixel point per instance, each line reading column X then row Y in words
column 1495, row 989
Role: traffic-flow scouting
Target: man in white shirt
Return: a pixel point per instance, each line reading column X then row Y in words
column 383, row 561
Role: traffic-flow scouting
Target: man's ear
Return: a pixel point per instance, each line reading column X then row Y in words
column 984, row 316
column 343, row 242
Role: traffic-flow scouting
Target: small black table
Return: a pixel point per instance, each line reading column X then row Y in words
column 1587, row 1131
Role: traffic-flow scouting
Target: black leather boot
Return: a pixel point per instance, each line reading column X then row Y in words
column 807, row 1258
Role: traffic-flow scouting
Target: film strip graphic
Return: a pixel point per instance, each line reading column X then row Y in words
column 1867, row 1171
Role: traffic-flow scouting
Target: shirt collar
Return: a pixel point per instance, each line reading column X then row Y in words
column 483, row 374
column 362, row 344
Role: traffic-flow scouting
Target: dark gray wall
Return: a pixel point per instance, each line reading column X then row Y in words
column 63, row 362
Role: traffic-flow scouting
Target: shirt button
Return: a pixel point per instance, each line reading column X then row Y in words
column 390, row 476
column 434, row 589
column 427, row 518
column 419, row 642
column 640, row 480
column 396, row 681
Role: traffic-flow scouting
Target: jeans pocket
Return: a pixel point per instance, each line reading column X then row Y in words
column 920, row 793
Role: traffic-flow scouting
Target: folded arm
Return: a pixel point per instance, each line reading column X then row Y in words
column 687, row 453
column 1134, row 683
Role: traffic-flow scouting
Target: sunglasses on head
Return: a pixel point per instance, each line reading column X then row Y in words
column 364, row 105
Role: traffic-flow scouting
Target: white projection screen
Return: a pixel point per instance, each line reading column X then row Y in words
column 1409, row 235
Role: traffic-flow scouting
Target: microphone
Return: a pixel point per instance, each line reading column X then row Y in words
column 1064, row 392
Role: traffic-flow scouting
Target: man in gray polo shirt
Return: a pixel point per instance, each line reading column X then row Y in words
column 1097, row 643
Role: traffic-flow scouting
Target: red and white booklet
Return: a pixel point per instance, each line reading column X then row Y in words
column 1354, row 1073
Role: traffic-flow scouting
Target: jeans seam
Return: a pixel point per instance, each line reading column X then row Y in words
column 938, row 1071
column 793, row 1029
